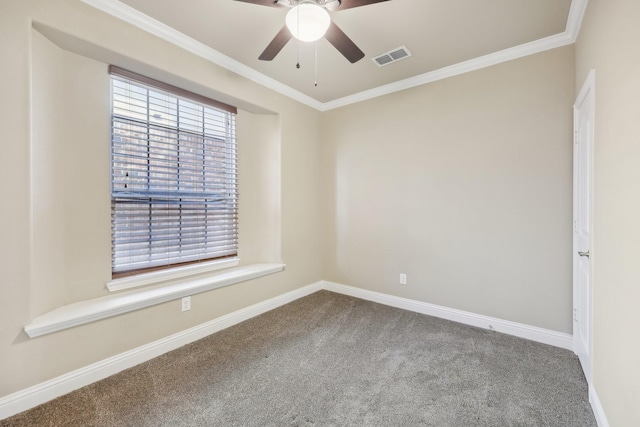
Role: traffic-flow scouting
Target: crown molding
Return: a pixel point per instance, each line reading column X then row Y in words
column 576, row 15
column 146, row 23
column 157, row 28
column 526, row 49
column 569, row 36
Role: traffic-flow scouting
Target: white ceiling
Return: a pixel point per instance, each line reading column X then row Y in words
column 445, row 37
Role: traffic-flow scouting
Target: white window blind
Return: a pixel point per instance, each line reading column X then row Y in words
column 174, row 175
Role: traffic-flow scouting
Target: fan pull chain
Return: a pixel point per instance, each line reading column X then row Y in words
column 298, row 42
column 315, row 75
column 298, row 54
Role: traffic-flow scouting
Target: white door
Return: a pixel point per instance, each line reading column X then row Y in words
column 583, row 122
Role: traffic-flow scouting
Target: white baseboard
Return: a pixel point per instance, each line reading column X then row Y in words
column 533, row 333
column 48, row 390
column 598, row 410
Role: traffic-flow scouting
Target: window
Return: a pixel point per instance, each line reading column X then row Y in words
column 174, row 193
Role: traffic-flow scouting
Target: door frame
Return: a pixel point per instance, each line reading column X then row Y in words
column 586, row 94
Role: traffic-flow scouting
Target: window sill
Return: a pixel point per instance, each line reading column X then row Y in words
column 88, row 311
column 169, row 274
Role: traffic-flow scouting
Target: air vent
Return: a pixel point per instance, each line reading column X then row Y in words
column 392, row 56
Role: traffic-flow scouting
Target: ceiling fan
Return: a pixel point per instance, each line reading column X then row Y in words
column 308, row 20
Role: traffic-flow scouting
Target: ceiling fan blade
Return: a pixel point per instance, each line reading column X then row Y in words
column 272, row 3
column 345, row 46
column 348, row 4
column 276, row 45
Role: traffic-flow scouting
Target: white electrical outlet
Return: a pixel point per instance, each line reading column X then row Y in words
column 186, row 303
column 403, row 279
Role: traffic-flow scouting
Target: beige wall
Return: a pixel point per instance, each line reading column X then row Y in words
column 70, row 196
column 464, row 185
column 608, row 43
column 55, row 228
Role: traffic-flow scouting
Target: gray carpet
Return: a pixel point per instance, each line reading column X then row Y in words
column 329, row 359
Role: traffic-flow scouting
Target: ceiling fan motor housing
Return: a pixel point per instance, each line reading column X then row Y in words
column 329, row 4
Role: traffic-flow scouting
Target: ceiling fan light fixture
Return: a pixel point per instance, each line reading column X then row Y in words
column 313, row 22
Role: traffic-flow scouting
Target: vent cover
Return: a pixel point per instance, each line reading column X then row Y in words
column 392, row 56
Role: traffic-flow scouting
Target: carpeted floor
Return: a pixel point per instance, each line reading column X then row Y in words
column 329, row 359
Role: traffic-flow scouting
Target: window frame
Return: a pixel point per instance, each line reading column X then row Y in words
column 153, row 269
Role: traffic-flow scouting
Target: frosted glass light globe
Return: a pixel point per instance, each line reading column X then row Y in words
column 313, row 19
